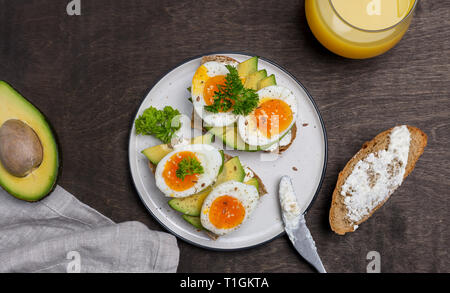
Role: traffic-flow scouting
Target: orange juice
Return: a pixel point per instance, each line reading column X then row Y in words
column 359, row 28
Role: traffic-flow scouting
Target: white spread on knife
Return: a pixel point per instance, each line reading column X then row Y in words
column 376, row 177
column 289, row 204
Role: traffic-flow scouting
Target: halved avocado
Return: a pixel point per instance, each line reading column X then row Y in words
column 41, row 179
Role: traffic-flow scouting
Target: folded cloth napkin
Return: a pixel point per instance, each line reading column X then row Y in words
column 61, row 234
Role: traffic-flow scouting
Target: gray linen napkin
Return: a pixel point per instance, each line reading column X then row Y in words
column 61, row 234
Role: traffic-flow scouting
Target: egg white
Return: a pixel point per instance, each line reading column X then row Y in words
column 210, row 159
column 247, row 125
column 246, row 194
column 201, row 76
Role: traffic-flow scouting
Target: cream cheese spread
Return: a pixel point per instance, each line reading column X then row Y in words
column 248, row 174
column 376, row 177
column 289, row 204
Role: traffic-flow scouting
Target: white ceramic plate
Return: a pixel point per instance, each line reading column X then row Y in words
column 308, row 155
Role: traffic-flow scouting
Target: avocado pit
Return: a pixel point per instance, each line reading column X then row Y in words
column 20, row 148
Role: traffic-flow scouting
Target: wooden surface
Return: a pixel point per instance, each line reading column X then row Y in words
column 89, row 73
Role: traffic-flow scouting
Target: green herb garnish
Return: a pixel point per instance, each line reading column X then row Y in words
column 234, row 95
column 160, row 123
column 189, row 166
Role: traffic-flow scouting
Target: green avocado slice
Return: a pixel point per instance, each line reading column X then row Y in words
column 230, row 136
column 42, row 180
column 192, row 205
column 268, row 81
column 194, row 221
column 248, row 67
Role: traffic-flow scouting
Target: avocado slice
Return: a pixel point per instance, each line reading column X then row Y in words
column 194, row 221
column 268, row 81
column 248, row 67
column 42, row 178
column 232, row 170
column 192, row 205
column 253, row 79
column 156, row 153
column 230, row 136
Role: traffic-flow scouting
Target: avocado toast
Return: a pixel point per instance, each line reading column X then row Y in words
column 190, row 207
column 237, row 134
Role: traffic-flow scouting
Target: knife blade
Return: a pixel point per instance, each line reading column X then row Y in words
column 295, row 225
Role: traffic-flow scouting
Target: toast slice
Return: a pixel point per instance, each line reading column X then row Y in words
column 339, row 220
column 229, row 60
column 262, row 190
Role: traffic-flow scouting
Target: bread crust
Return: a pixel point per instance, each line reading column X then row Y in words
column 218, row 58
column 338, row 219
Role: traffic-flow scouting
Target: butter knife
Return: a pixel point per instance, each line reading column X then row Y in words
column 295, row 225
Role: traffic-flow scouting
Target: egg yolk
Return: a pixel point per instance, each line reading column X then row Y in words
column 211, row 87
column 273, row 116
column 226, row 212
column 170, row 172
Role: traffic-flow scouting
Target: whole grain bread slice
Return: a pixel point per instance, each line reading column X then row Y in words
column 339, row 221
column 262, row 190
column 218, row 58
column 229, row 60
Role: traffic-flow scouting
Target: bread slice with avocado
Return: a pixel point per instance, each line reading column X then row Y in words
column 252, row 78
column 373, row 174
column 191, row 206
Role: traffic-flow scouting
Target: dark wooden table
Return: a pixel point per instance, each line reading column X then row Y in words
column 89, row 74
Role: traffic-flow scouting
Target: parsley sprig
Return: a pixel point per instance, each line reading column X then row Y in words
column 233, row 95
column 189, row 166
column 159, row 123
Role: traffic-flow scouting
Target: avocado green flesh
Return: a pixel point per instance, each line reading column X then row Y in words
column 248, row 67
column 268, row 81
column 253, row 79
column 230, row 136
column 254, row 182
column 194, row 221
column 156, row 153
column 42, row 180
column 192, row 205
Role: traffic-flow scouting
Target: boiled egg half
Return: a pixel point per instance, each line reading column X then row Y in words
column 272, row 119
column 166, row 171
column 205, row 83
column 228, row 206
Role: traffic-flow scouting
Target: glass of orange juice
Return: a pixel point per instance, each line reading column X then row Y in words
column 359, row 29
